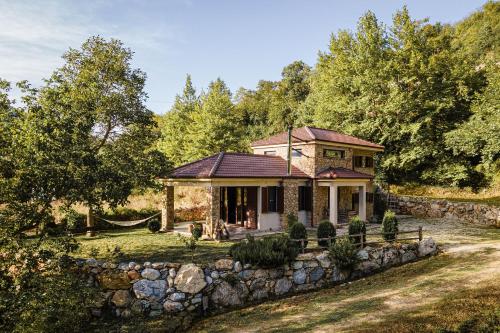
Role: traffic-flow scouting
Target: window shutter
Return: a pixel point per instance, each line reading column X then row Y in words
column 280, row 200
column 264, row 200
column 308, row 198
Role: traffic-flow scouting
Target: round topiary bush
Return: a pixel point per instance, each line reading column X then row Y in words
column 389, row 226
column 154, row 225
column 197, row 230
column 298, row 231
column 325, row 230
column 356, row 227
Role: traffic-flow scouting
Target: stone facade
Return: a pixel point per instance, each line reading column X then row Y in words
column 290, row 201
column 467, row 211
column 167, row 209
column 213, row 206
column 184, row 292
column 320, row 203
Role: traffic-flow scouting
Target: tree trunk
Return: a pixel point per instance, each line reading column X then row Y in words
column 90, row 223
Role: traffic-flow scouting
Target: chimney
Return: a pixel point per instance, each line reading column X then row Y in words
column 289, row 152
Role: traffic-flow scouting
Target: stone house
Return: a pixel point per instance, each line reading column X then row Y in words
column 313, row 173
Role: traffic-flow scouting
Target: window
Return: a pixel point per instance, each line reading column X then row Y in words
column 305, row 195
column 272, row 199
column 368, row 162
column 333, row 153
column 270, row 152
column 363, row 162
column 272, row 195
column 358, row 161
column 296, row 152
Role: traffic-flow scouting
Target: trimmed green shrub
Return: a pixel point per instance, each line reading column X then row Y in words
column 345, row 253
column 298, row 231
column 357, row 226
column 270, row 251
column 197, row 230
column 325, row 230
column 154, row 225
column 291, row 219
column 390, row 226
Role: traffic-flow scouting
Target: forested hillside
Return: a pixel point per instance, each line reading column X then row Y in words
column 428, row 92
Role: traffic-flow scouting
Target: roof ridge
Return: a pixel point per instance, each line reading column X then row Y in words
column 308, row 130
column 216, row 164
column 193, row 162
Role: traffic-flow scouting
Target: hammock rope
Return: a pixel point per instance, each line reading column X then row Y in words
column 128, row 223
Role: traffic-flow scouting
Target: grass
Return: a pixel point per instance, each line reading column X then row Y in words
column 141, row 245
column 446, row 292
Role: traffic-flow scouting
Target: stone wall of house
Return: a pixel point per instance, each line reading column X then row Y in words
column 290, row 201
column 167, row 209
column 184, row 292
column 471, row 212
column 320, row 203
column 213, row 207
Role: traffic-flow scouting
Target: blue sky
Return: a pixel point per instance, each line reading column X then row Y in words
column 240, row 41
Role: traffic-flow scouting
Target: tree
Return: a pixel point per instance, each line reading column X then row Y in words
column 402, row 87
column 83, row 137
column 98, row 90
column 174, row 125
column 215, row 126
column 290, row 93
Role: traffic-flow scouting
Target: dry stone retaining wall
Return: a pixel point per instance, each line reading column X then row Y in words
column 184, row 292
column 471, row 212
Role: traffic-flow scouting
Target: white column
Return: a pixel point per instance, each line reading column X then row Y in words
column 333, row 205
column 362, row 202
column 259, row 206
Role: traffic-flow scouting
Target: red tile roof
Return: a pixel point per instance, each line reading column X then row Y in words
column 341, row 173
column 237, row 165
column 306, row 134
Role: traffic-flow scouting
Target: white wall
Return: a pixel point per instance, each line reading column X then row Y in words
column 269, row 221
column 304, row 217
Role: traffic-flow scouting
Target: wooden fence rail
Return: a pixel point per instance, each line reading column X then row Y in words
column 362, row 237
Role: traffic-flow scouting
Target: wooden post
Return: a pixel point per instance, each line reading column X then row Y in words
column 362, row 236
column 420, row 233
column 302, row 245
column 90, row 223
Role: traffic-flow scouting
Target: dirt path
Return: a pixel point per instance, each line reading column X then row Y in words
column 438, row 292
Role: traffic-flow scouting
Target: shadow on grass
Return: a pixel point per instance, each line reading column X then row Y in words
column 330, row 306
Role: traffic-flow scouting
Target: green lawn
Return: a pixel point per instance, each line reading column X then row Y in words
column 141, row 245
column 457, row 287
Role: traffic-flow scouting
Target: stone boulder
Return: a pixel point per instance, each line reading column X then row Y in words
column 316, row 274
column 224, row 264
column 190, row 279
column 324, row 259
column 150, row 290
column 426, row 247
column 282, row 286
column 150, row 274
column 121, row 298
column 299, row 276
column 227, row 295
column 171, row 306
column 113, row 280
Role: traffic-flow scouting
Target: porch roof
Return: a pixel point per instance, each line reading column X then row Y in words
column 237, row 165
column 341, row 173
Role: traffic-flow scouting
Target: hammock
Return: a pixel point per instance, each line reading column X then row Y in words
column 128, row 223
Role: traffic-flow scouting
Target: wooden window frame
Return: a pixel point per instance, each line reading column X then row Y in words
column 341, row 151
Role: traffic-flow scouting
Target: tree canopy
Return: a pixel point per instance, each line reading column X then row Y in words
column 426, row 91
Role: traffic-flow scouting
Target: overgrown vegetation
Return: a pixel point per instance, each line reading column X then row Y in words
column 389, row 226
column 154, row 225
column 269, row 251
column 291, row 219
column 357, row 227
column 325, row 230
